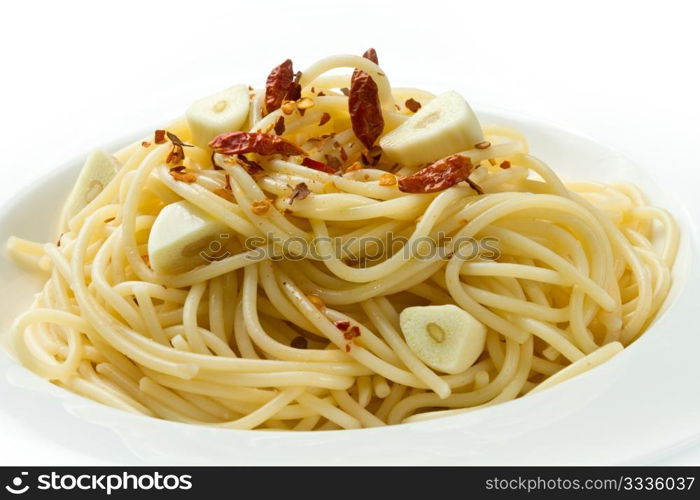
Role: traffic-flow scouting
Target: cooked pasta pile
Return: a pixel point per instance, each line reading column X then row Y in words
column 561, row 275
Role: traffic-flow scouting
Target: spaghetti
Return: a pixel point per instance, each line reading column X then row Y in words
column 260, row 340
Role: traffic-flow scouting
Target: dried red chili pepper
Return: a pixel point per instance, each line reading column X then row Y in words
column 317, row 165
column 281, row 84
column 438, row 176
column 370, row 54
column 232, row 143
column 363, row 102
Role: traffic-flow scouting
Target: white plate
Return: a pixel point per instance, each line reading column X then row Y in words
column 640, row 406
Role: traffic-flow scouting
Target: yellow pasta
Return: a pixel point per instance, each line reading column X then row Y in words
column 301, row 331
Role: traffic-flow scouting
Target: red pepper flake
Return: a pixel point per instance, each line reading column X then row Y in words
column 226, row 194
column 342, row 325
column 288, row 107
column 177, row 153
column 282, row 84
column 146, row 260
column 438, row 176
column 348, row 347
column 299, row 192
column 299, row 342
column 109, row 219
column 483, row 145
column 321, row 94
column 145, row 144
column 505, row 165
column 159, row 137
column 176, row 140
column 261, row 207
column 305, row 103
column 179, row 174
column 175, row 156
column 231, row 143
column 354, row 332
column 387, row 179
column 317, row 165
column 325, row 118
column 364, row 106
column 279, row 126
column 413, row 105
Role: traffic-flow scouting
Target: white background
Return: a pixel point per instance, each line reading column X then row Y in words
column 78, row 74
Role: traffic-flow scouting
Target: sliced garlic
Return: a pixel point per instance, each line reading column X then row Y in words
column 184, row 237
column 225, row 111
column 446, row 338
column 98, row 171
column 444, row 126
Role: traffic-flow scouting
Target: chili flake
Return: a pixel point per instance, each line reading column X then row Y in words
column 224, row 193
column 261, row 207
column 305, row 103
column 387, row 179
column 342, row 325
column 412, row 105
column 179, row 174
column 299, row 192
column 325, row 117
column 159, row 136
column 354, row 332
column 288, row 107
